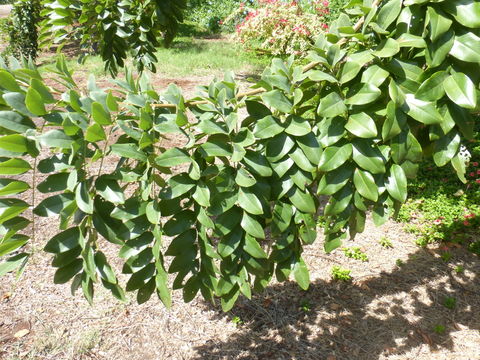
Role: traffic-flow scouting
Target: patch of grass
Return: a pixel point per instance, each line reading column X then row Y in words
column 355, row 253
column 92, row 64
column 459, row 269
column 440, row 207
column 341, row 274
column 188, row 56
column 399, row 262
column 88, row 342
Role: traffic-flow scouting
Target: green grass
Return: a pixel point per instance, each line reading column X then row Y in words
column 191, row 53
column 189, row 56
column 440, row 207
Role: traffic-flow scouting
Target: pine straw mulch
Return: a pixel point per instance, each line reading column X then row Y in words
column 389, row 311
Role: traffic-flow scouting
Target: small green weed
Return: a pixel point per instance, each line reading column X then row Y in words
column 355, row 253
column 385, row 242
column 305, row 306
column 237, row 321
column 439, row 329
column 399, row 262
column 341, row 274
column 459, row 269
column 450, row 302
column 446, row 256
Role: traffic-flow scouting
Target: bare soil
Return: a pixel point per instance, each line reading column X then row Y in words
column 390, row 309
column 5, row 10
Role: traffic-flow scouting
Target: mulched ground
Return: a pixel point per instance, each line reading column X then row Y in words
column 389, row 310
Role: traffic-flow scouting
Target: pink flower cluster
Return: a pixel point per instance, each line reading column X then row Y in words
column 475, row 173
column 467, row 217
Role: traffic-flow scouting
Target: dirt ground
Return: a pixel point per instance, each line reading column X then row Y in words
column 5, row 10
column 389, row 311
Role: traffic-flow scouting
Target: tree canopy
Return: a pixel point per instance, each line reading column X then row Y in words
column 115, row 29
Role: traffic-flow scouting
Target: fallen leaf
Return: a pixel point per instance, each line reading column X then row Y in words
column 21, row 333
column 335, row 306
column 390, row 350
column 452, row 244
column 459, row 193
column 267, row 302
column 426, row 338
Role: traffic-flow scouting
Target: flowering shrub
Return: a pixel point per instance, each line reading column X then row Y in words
column 335, row 7
column 280, row 28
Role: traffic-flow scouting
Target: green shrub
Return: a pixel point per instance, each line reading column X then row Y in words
column 234, row 205
column 4, row 29
column 22, row 29
column 281, row 28
column 439, row 329
column 331, row 9
column 450, row 302
column 211, row 14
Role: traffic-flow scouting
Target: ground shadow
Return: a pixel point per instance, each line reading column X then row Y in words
column 391, row 313
column 193, row 30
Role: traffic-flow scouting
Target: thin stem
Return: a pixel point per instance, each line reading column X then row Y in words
column 103, row 152
column 34, row 192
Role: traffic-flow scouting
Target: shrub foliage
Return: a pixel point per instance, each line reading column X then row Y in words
column 234, row 204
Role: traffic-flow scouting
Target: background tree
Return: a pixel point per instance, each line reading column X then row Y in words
column 113, row 28
column 22, row 29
